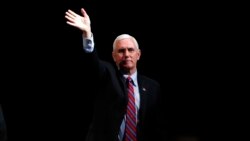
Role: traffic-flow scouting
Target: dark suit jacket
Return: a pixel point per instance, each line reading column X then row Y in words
column 3, row 134
column 111, row 101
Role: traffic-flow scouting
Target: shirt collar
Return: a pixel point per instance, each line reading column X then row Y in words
column 133, row 76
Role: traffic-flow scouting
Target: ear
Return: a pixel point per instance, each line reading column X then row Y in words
column 138, row 54
column 113, row 55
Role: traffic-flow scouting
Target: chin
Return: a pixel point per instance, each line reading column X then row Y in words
column 125, row 67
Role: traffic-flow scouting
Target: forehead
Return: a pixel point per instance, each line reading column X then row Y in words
column 127, row 42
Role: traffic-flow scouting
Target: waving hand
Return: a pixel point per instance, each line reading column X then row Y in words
column 78, row 21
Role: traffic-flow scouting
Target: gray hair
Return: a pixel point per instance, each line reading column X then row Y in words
column 125, row 36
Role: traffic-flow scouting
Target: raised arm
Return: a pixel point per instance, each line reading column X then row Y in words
column 80, row 22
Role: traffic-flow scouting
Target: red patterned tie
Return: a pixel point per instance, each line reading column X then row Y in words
column 130, row 129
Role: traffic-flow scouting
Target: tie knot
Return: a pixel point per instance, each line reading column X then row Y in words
column 129, row 80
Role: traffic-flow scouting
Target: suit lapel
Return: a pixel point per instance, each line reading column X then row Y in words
column 122, row 84
column 143, row 96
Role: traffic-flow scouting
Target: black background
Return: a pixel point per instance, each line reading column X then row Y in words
column 45, row 81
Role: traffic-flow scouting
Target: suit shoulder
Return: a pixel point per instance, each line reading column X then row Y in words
column 106, row 63
column 149, row 80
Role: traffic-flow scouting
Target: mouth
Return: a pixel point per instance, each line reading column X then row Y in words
column 126, row 61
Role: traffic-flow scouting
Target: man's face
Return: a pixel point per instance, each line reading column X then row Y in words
column 126, row 54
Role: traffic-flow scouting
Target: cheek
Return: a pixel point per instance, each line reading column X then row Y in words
column 137, row 57
column 118, row 58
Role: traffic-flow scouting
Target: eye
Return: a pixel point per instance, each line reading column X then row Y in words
column 121, row 50
column 131, row 49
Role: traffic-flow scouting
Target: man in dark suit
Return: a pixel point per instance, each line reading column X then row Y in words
column 3, row 134
column 111, row 113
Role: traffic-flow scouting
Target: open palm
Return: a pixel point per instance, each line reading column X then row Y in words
column 78, row 21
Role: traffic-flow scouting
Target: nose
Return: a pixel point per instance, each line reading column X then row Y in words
column 126, row 53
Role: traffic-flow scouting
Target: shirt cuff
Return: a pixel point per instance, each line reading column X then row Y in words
column 88, row 44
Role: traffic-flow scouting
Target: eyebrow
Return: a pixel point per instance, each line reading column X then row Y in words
column 128, row 48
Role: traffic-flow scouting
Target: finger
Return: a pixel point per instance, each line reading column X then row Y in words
column 70, row 18
column 72, row 24
column 84, row 13
column 72, row 13
column 69, row 15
